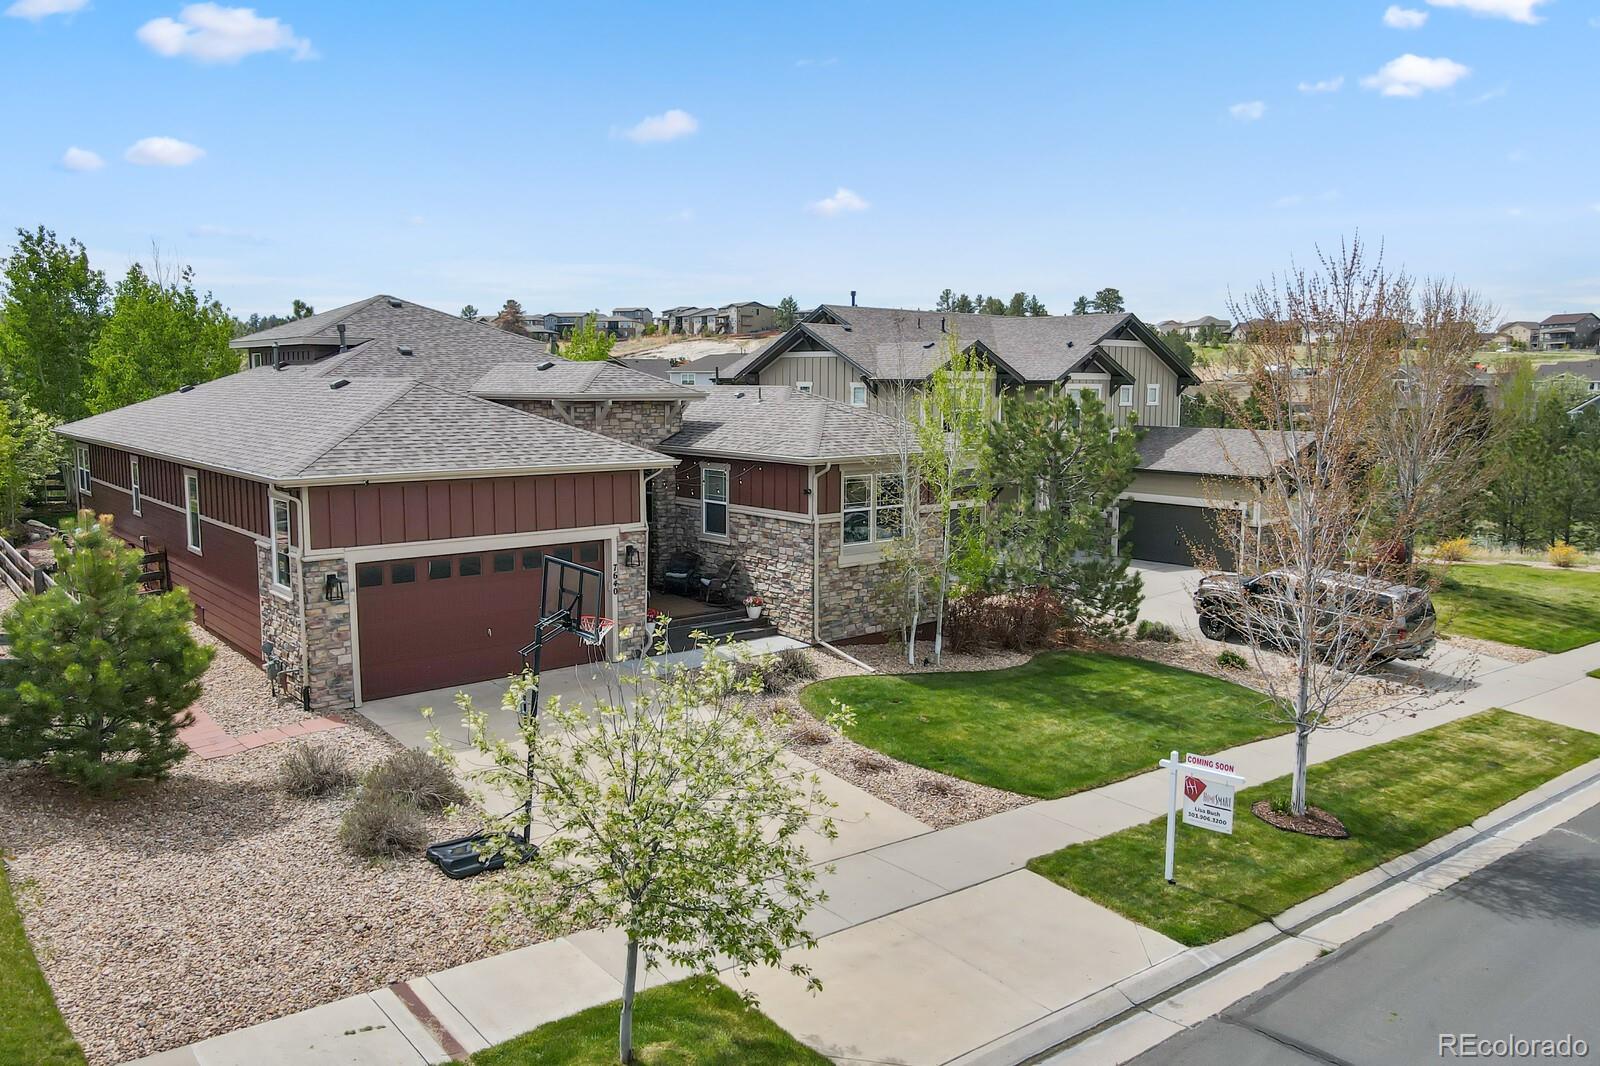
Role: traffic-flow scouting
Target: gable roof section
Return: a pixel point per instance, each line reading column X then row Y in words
column 1583, row 369
column 292, row 426
column 1210, row 452
column 1568, row 320
column 891, row 343
column 598, row 380
column 782, row 423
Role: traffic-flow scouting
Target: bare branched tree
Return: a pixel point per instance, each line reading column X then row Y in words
column 1324, row 609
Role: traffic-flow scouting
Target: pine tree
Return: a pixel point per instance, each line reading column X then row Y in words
column 788, row 312
column 1108, row 301
column 1080, row 306
column 102, row 675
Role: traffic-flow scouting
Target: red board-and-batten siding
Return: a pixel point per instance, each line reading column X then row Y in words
column 349, row 516
column 221, row 579
column 769, row 486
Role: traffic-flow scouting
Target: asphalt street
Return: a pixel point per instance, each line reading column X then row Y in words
column 1511, row 951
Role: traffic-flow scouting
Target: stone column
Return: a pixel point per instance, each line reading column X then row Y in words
column 329, row 651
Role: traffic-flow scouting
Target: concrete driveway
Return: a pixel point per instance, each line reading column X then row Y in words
column 1169, row 595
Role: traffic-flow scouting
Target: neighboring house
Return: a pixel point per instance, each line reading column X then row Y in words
column 671, row 320
column 1564, row 332
column 693, row 373
column 1585, row 374
column 1168, row 325
column 640, row 315
column 752, row 316
column 1522, row 332
column 1192, row 329
column 374, row 515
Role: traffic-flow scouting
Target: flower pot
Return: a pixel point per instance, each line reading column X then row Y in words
column 753, row 610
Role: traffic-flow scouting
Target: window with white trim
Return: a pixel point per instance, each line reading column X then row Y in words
column 1152, row 394
column 686, row 378
column 874, row 508
column 83, row 470
column 1125, row 396
column 858, row 394
column 191, row 509
column 280, row 545
column 714, row 501
column 803, row 386
column 133, row 486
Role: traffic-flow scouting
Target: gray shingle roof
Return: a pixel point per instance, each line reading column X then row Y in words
column 783, row 423
column 577, row 381
column 292, row 425
column 892, row 343
column 1213, row 452
column 1584, row 369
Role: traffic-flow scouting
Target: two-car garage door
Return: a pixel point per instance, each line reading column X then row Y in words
column 1180, row 533
column 435, row 621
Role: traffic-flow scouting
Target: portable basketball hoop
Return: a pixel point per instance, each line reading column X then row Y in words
column 571, row 599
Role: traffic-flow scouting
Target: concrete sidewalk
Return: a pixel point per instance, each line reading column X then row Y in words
column 933, row 944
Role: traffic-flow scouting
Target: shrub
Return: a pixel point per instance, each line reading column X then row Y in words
column 935, row 786
column 415, row 778
column 1156, row 631
column 776, row 673
column 1018, row 621
column 810, row 734
column 382, row 826
column 1453, row 550
column 1563, row 554
column 1231, row 660
column 102, row 675
column 311, row 770
column 868, row 763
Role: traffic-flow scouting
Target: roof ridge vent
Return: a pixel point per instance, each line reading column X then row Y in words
column 185, row 388
column 396, row 303
column 403, row 350
column 341, row 383
column 546, row 365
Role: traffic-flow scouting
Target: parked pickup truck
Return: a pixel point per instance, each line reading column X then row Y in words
column 1357, row 617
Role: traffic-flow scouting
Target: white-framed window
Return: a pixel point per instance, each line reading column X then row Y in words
column 1125, row 396
column 133, row 486
column 1152, row 394
column 191, row 509
column 874, row 508
column 281, row 517
column 1085, row 388
column 686, row 378
column 803, row 386
column 83, row 470
column 858, row 394
column 714, row 501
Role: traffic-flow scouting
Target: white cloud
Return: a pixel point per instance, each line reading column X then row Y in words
column 1515, row 10
column 81, row 159
column 841, row 201
column 1248, row 111
column 1410, row 75
column 667, row 126
column 1404, row 18
column 211, row 33
column 38, row 9
column 1326, row 85
column 163, row 152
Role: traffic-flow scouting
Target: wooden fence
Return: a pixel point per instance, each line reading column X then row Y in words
column 19, row 573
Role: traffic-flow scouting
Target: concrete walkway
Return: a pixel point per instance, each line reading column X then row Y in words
column 934, row 945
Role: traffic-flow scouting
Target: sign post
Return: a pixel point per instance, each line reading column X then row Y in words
column 1208, row 788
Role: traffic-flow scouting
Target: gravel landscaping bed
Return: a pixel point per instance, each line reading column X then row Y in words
column 215, row 900
column 1493, row 649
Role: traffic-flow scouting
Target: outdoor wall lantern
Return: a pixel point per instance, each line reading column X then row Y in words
column 333, row 588
column 630, row 556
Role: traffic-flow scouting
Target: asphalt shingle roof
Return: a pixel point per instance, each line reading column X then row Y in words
column 577, row 381
column 1213, row 452
column 783, row 423
column 1586, row 369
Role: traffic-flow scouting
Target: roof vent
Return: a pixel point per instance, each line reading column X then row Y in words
column 1069, row 344
column 185, row 388
column 394, row 303
column 845, row 328
column 402, row 351
column 739, row 395
column 341, row 383
column 546, row 365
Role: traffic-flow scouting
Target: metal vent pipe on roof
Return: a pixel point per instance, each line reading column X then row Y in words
column 341, row 336
column 852, row 297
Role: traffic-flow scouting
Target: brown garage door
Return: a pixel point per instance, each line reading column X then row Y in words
column 434, row 621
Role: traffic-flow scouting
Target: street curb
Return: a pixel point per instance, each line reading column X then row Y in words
column 1413, row 877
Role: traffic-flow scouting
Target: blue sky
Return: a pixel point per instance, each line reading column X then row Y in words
column 576, row 156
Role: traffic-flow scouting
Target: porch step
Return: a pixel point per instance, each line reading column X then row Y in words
column 732, row 624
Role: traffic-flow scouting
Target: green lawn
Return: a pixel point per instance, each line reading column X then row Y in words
column 697, row 1022
column 1393, row 798
column 1064, row 722
column 31, row 1029
column 1531, row 607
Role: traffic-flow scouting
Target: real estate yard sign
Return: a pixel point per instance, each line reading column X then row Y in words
column 1207, row 787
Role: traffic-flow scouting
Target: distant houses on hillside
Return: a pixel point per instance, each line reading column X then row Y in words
column 1563, row 332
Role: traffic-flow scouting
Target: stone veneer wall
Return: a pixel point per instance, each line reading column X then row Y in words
column 631, row 593
column 774, row 556
column 858, row 601
column 329, row 653
column 642, row 422
column 280, row 617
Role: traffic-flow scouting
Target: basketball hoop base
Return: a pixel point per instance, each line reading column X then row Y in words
column 462, row 857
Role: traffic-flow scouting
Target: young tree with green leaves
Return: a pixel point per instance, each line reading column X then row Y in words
column 788, row 313
column 52, row 306
column 672, row 814
column 588, row 343
column 1063, row 465
column 161, row 335
column 30, row 451
column 102, row 675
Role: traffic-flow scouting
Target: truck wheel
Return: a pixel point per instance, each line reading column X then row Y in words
column 1213, row 627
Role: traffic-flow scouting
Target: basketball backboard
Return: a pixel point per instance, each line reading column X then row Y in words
column 576, row 595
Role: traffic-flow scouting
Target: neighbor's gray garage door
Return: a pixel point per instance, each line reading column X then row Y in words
column 1175, row 533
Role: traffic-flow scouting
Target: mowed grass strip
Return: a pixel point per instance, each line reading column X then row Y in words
column 1529, row 606
column 1393, row 798
column 695, row 1022
column 1064, row 722
column 31, row 1029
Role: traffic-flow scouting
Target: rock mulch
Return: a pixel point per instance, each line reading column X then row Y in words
column 214, row 900
column 1316, row 822
column 1493, row 649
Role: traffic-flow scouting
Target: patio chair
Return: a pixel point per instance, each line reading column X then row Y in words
column 681, row 573
column 717, row 584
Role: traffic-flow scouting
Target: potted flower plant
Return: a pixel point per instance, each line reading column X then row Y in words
column 652, row 618
column 753, row 605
